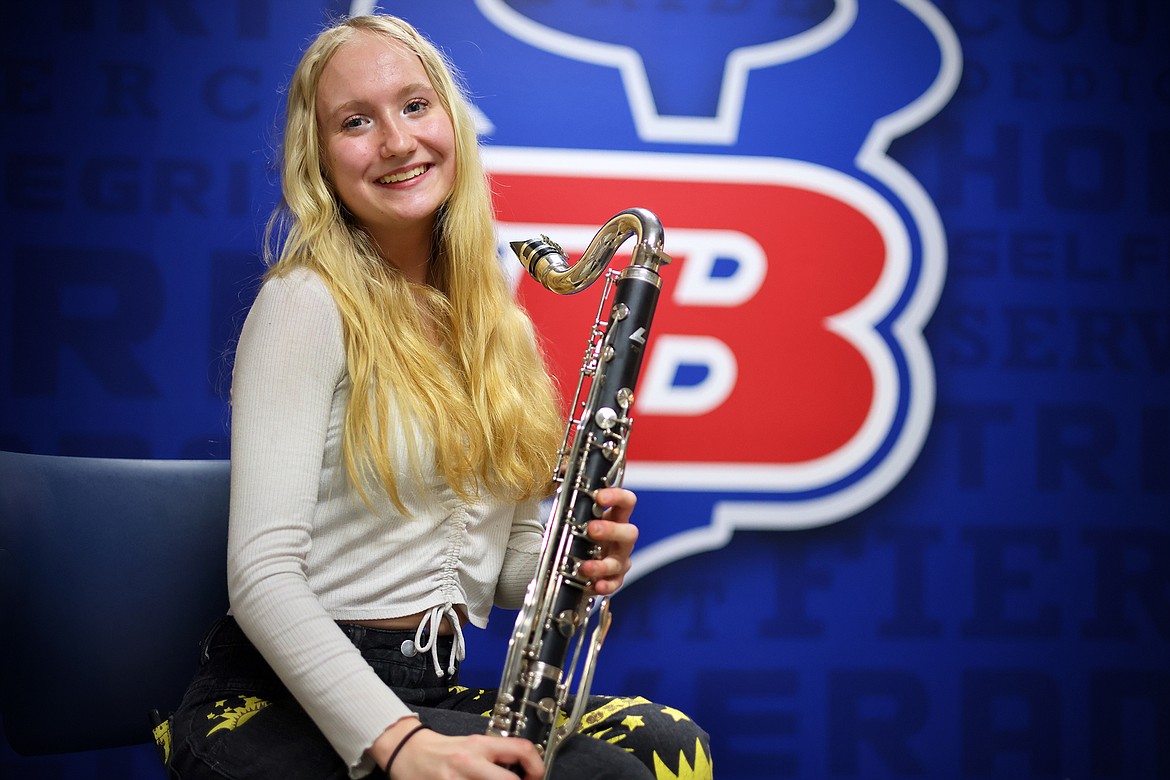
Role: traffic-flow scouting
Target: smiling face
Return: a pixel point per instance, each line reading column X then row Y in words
column 389, row 145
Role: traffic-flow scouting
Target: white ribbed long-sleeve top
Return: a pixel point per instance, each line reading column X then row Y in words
column 305, row 551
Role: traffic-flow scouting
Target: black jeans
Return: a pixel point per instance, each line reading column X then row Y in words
column 237, row 720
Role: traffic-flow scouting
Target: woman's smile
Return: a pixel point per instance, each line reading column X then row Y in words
column 404, row 176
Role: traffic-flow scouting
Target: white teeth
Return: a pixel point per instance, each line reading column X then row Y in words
column 394, row 178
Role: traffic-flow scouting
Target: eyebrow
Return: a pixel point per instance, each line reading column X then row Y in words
column 345, row 107
column 357, row 103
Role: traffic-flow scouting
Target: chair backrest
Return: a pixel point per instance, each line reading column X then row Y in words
column 110, row 571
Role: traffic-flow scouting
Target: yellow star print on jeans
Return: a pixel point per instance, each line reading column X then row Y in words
column 233, row 717
column 645, row 729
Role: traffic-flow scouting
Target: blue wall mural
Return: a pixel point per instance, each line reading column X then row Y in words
column 903, row 455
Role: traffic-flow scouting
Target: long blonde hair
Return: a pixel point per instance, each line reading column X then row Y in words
column 485, row 402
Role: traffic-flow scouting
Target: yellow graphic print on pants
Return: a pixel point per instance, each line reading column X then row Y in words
column 162, row 740
column 233, row 717
column 619, row 720
column 634, row 724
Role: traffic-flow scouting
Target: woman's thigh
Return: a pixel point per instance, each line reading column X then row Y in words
column 249, row 738
column 664, row 741
column 578, row 759
column 238, row 721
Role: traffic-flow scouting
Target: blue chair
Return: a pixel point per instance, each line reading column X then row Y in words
column 110, row 573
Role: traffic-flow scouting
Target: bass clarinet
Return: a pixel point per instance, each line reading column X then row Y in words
column 560, row 605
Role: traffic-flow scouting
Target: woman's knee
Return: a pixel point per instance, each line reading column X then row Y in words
column 664, row 739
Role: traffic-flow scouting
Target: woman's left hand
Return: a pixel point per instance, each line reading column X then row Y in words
column 616, row 535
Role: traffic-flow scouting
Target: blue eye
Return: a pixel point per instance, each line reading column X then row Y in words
column 415, row 106
column 354, row 121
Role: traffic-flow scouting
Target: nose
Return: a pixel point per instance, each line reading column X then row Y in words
column 396, row 140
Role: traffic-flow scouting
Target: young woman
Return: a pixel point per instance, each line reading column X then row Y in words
column 393, row 430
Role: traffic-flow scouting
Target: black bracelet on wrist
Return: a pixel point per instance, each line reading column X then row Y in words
column 398, row 749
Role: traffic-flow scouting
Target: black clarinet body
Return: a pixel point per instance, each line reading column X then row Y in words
column 560, row 608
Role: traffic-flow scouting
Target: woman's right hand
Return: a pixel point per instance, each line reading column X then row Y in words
column 429, row 754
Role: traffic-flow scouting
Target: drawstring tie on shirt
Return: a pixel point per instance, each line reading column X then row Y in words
column 427, row 641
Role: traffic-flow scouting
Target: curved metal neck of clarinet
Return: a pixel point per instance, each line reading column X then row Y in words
column 548, row 264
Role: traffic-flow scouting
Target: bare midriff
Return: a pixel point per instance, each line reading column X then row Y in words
column 409, row 622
